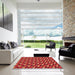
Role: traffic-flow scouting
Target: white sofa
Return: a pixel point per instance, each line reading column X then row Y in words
column 9, row 55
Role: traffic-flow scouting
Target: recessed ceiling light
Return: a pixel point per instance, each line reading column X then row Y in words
column 38, row 0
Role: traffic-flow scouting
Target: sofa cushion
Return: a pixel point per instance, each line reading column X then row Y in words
column 13, row 44
column 15, row 52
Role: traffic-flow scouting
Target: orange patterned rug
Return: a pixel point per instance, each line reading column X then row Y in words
column 37, row 63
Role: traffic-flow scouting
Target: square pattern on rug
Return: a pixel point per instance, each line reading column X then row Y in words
column 37, row 63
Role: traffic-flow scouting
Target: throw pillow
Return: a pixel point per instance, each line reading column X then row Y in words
column 3, row 45
column 13, row 44
column 9, row 46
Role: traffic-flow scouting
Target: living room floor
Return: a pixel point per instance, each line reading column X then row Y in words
column 68, row 64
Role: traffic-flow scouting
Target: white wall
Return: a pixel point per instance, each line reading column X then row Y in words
column 6, row 35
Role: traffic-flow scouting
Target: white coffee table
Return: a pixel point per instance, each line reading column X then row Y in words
column 41, row 53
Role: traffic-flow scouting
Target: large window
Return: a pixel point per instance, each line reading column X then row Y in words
column 41, row 24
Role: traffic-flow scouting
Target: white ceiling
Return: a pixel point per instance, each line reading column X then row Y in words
column 34, row 4
column 51, row 1
column 39, row 6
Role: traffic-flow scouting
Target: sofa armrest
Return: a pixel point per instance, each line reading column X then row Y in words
column 6, row 57
column 63, row 47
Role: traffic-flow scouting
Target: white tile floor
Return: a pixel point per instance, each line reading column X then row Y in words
column 67, row 64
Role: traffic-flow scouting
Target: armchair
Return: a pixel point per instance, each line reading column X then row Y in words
column 69, row 52
column 51, row 45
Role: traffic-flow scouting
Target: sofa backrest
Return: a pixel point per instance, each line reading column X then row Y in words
column 52, row 44
column 72, row 48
